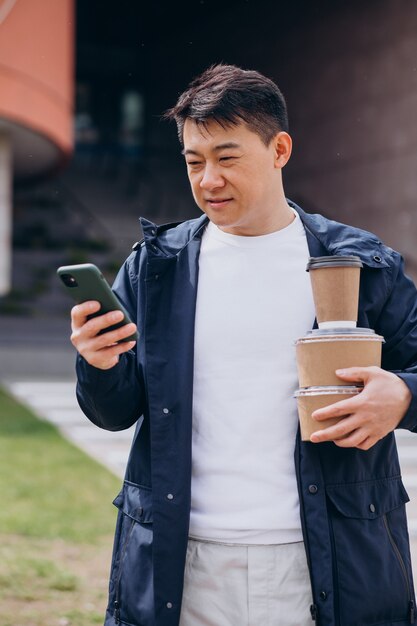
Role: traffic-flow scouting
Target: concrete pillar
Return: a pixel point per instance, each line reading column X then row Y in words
column 5, row 213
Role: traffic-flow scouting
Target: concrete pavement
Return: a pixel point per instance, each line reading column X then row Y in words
column 55, row 401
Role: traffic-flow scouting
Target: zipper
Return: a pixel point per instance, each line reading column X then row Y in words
column 411, row 607
column 119, row 575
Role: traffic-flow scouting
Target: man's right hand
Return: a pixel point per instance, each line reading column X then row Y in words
column 101, row 351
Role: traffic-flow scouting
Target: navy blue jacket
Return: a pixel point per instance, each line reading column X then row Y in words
column 352, row 501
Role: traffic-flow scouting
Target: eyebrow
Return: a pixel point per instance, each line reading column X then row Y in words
column 221, row 146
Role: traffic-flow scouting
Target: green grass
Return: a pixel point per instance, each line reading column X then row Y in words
column 49, row 488
column 56, row 525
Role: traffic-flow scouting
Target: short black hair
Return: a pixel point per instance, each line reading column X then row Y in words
column 230, row 95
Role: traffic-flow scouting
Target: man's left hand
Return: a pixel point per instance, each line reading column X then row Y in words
column 369, row 416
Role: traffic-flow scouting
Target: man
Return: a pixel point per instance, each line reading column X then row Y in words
column 219, row 523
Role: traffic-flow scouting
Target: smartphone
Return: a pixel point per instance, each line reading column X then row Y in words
column 85, row 282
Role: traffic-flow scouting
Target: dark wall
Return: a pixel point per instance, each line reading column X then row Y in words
column 349, row 73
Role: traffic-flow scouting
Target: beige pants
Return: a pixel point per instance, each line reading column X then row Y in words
column 234, row 585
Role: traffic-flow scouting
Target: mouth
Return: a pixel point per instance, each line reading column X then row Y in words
column 218, row 203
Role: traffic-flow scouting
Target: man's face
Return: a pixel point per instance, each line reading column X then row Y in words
column 235, row 178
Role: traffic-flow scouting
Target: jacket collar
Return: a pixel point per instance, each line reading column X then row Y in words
column 324, row 237
column 327, row 237
column 168, row 240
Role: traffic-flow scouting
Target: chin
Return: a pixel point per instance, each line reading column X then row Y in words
column 220, row 220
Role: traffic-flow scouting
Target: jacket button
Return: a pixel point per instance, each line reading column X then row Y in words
column 313, row 489
column 377, row 258
column 169, row 605
column 165, row 411
column 323, row 595
column 156, row 276
column 372, row 508
column 153, row 231
column 170, row 496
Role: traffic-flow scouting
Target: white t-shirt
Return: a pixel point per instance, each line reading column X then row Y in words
column 254, row 299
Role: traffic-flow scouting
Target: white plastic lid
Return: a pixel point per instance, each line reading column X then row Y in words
column 328, row 390
column 328, row 335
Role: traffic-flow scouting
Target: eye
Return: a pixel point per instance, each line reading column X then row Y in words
column 193, row 163
column 228, row 160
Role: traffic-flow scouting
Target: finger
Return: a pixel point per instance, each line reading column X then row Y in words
column 367, row 443
column 109, row 357
column 116, row 349
column 87, row 340
column 354, row 440
column 356, row 374
column 337, row 409
column 338, row 431
column 113, row 336
column 80, row 312
column 96, row 324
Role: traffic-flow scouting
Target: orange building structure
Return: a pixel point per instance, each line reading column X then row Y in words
column 36, row 100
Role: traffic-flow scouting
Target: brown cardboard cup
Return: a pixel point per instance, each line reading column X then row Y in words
column 321, row 352
column 313, row 398
column 335, row 284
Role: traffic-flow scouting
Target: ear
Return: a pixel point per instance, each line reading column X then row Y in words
column 282, row 143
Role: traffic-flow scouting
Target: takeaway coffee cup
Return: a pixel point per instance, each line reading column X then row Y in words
column 322, row 351
column 313, row 398
column 335, row 284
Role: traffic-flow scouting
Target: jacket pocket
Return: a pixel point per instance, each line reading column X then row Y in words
column 131, row 578
column 372, row 564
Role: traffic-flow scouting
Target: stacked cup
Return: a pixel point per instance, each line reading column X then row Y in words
column 336, row 344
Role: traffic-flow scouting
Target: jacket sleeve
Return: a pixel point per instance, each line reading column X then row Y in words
column 398, row 324
column 114, row 399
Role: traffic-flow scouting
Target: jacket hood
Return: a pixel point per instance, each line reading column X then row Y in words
column 325, row 237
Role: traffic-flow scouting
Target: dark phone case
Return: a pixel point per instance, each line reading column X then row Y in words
column 91, row 285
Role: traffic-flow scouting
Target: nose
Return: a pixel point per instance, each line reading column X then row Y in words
column 212, row 178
